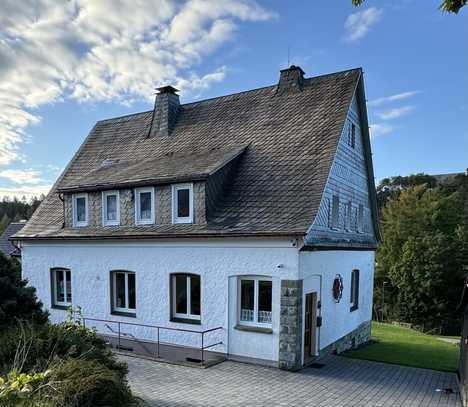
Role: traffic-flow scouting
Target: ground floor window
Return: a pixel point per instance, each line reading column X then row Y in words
column 186, row 296
column 255, row 301
column 61, row 287
column 354, row 290
column 123, row 290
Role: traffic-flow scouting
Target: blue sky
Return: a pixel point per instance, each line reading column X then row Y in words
column 64, row 66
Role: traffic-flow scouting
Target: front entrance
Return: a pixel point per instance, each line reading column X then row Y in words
column 310, row 326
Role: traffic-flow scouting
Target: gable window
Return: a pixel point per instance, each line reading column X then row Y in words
column 185, row 297
column 255, row 301
column 144, row 206
column 352, row 134
column 123, row 293
column 61, row 287
column 360, row 219
column 182, row 203
column 335, row 212
column 354, row 301
column 110, row 208
column 80, row 210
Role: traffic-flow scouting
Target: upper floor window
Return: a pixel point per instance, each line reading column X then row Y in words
column 255, row 301
column 360, row 219
column 352, row 135
column 186, row 296
column 80, row 209
column 354, row 300
column 182, row 203
column 61, row 287
column 110, row 208
column 123, row 290
column 144, row 206
column 335, row 212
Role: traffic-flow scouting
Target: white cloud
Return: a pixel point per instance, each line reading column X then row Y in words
column 106, row 50
column 28, row 192
column 395, row 113
column 392, row 98
column 358, row 24
column 378, row 129
column 28, row 176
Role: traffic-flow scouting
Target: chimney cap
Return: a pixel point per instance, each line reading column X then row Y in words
column 167, row 89
column 293, row 68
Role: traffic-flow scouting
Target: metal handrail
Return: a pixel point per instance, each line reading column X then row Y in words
column 158, row 328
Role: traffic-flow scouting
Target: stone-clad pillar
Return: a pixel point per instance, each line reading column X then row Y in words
column 290, row 337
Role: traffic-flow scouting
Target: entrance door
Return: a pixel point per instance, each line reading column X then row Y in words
column 310, row 326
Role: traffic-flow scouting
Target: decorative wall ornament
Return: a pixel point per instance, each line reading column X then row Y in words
column 337, row 288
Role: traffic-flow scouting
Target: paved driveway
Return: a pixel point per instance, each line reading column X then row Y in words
column 342, row 382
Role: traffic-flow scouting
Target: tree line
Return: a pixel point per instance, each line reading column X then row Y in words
column 14, row 209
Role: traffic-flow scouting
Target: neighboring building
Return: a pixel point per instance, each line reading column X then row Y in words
column 6, row 246
column 254, row 211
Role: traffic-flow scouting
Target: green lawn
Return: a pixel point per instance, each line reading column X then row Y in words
column 404, row 346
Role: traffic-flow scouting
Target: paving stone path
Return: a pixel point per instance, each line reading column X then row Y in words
column 342, row 382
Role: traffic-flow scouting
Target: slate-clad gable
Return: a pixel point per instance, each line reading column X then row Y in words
column 277, row 185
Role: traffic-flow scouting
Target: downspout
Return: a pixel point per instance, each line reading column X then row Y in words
column 63, row 206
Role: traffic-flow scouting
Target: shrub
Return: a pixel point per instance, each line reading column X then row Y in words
column 17, row 301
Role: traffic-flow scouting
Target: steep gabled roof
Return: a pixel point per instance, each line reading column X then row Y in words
column 291, row 136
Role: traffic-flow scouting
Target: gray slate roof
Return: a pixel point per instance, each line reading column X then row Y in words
column 5, row 245
column 291, row 136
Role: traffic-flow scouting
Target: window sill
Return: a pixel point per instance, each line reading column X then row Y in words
column 124, row 314
column 186, row 320
column 60, row 307
column 257, row 329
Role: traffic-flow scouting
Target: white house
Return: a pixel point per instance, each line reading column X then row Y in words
column 254, row 212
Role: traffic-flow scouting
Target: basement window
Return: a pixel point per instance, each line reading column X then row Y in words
column 110, row 208
column 123, row 293
column 186, row 298
column 80, row 210
column 255, row 301
column 61, row 288
column 182, row 203
column 144, row 206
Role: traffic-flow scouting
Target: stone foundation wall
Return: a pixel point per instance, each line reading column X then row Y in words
column 290, row 337
column 352, row 340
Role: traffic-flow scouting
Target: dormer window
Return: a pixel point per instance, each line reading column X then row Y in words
column 144, row 206
column 80, row 210
column 182, row 203
column 110, row 208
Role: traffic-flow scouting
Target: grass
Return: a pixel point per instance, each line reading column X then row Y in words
column 405, row 346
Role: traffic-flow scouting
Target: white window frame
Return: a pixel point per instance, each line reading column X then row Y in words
column 75, row 197
column 138, row 220
column 56, row 302
column 185, row 219
column 105, row 221
column 188, row 315
column 114, row 293
column 255, row 322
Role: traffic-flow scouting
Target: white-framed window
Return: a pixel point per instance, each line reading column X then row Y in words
column 123, row 285
column 61, row 287
column 360, row 219
column 335, row 212
column 144, row 206
column 80, row 209
column 354, row 297
column 110, row 208
column 255, row 301
column 182, row 203
column 186, row 296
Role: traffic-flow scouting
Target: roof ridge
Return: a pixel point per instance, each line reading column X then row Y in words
column 234, row 93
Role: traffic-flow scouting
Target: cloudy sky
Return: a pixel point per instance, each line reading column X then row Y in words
column 66, row 64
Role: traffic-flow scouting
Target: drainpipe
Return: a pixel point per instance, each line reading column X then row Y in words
column 63, row 209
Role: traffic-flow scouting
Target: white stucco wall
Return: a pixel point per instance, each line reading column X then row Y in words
column 337, row 319
column 217, row 262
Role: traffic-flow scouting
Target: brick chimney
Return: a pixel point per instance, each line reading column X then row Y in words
column 291, row 79
column 166, row 109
